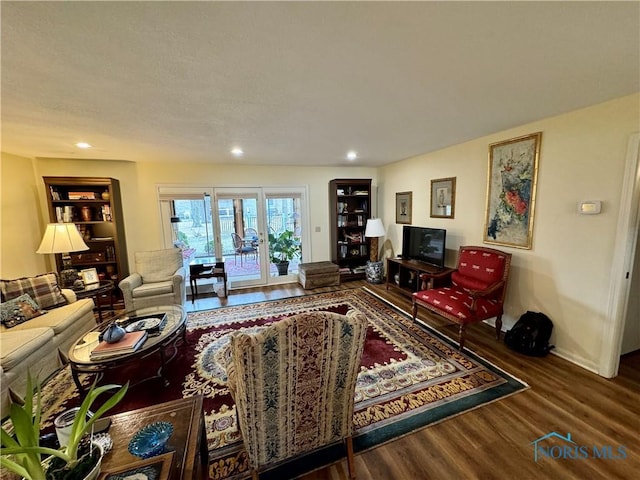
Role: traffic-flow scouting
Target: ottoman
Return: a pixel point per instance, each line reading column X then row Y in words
column 318, row 274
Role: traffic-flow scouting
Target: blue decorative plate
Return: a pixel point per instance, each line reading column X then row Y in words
column 150, row 440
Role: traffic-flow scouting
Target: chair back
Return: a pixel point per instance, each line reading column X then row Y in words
column 237, row 241
column 251, row 233
column 158, row 265
column 294, row 383
column 479, row 268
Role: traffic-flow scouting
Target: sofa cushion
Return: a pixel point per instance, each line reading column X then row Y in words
column 152, row 289
column 58, row 319
column 19, row 310
column 43, row 289
column 17, row 345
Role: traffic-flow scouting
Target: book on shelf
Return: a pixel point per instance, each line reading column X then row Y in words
column 131, row 342
column 82, row 195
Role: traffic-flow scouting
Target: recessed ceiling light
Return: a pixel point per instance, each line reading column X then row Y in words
column 237, row 152
column 352, row 155
column 83, row 145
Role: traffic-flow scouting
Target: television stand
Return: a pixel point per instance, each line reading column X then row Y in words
column 404, row 275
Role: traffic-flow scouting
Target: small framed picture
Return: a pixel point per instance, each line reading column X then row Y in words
column 403, row 207
column 154, row 468
column 443, row 197
column 89, row 276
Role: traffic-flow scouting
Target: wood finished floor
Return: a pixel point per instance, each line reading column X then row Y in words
column 494, row 442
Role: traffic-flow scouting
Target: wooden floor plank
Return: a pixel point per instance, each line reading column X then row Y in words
column 494, row 441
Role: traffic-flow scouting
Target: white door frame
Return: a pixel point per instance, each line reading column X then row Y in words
column 622, row 263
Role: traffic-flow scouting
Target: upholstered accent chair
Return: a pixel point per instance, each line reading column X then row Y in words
column 477, row 290
column 294, row 382
column 159, row 279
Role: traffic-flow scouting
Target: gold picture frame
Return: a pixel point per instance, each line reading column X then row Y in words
column 512, row 179
column 89, row 276
column 443, row 197
column 403, row 207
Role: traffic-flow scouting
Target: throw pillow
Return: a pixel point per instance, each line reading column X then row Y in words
column 43, row 289
column 19, row 310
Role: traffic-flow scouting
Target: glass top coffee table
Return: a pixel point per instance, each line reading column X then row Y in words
column 80, row 359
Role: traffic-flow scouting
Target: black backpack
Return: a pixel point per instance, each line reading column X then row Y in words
column 530, row 335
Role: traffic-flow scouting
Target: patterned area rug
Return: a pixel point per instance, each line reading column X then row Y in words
column 410, row 377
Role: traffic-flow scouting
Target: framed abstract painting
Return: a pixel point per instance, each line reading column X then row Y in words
column 511, row 191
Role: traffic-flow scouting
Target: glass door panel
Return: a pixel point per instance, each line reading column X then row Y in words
column 187, row 223
column 241, row 235
column 284, row 221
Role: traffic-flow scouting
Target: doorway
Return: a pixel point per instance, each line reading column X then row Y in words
column 241, row 235
column 235, row 223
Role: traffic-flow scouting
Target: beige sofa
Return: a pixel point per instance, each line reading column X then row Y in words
column 40, row 345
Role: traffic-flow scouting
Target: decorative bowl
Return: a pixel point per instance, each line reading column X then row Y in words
column 150, row 440
column 146, row 324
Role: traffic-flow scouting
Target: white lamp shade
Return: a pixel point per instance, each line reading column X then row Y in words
column 61, row 238
column 374, row 228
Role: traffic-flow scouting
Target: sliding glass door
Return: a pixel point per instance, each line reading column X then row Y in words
column 236, row 224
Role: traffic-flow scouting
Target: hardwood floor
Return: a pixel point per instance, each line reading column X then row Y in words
column 495, row 441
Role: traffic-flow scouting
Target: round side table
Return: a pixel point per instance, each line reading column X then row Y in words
column 96, row 290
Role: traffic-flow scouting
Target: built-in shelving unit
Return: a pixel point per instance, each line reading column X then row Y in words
column 350, row 207
column 94, row 205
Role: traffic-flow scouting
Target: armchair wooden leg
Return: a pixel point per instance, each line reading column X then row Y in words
column 461, row 333
column 414, row 310
column 351, row 463
column 498, row 326
column 254, row 474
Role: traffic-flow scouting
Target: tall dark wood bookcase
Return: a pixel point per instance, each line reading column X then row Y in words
column 350, row 207
column 94, row 204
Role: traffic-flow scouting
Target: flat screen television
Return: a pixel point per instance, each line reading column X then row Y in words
column 424, row 244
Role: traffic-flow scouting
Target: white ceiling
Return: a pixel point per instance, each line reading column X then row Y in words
column 300, row 83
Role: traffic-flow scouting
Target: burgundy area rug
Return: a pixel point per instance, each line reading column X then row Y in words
column 410, row 377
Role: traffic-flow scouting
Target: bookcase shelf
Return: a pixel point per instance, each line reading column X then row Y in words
column 98, row 216
column 349, row 206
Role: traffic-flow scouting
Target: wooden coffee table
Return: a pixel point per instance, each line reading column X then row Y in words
column 188, row 440
column 175, row 328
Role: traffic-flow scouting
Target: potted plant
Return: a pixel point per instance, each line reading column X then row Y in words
column 24, row 455
column 282, row 249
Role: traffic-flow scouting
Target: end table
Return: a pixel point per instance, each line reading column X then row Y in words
column 96, row 290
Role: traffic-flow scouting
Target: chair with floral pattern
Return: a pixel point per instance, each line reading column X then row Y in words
column 294, row 382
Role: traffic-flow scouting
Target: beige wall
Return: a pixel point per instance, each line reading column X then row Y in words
column 567, row 272
column 139, row 181
column 21, row 224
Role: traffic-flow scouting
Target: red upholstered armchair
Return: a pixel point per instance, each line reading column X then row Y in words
column 477, row 291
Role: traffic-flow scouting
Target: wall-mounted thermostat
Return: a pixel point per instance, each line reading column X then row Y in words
column 589, row 207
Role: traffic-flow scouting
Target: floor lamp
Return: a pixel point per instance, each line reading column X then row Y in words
column 63, row 238
column 374, row 268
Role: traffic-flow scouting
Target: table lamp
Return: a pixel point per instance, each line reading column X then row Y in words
column 374, row 269
column 63, row 238
column 374, row 230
